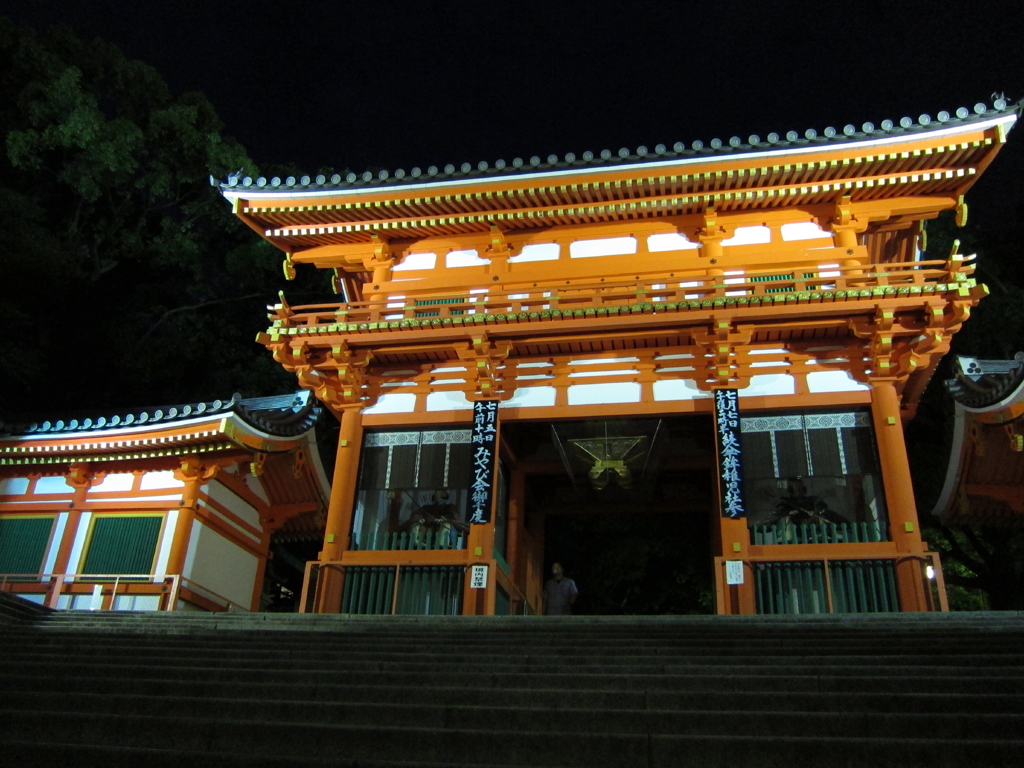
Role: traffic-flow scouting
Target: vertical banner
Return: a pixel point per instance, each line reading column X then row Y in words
column 484, row 439
column 727, row 430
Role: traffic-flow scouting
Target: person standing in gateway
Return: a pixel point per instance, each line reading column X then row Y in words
column 559, row 593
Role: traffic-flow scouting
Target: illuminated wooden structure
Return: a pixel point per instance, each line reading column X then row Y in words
column 984, row 482
column 595, row 287
column 169, row 508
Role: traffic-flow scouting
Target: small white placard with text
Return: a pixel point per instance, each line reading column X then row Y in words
column 478, row 577
column 733, row 571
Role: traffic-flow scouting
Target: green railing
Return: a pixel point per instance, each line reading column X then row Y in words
column 428, row 590
column 819, row 533
column 808, row 586
column 382, row 540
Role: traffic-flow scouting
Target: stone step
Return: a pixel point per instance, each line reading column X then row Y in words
column 895, row 644
column 444, row 666
column 738, row 719
column 566, row 678
column 457, row 746
column 978, row 655
column 843, row 623
column 753, row 700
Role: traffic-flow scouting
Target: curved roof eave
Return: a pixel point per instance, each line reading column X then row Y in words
column 236, row 188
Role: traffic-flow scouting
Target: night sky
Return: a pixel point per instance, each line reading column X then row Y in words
column 393, row 85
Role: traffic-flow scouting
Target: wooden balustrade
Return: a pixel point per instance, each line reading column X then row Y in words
column 810, row 282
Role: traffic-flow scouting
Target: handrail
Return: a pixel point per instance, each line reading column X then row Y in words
column 839, row 280
column 167, row 585
column 55, row 584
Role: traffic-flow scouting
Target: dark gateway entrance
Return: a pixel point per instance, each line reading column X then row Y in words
column 626, row 506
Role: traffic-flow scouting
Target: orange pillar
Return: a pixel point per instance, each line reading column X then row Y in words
column 339, row 510
column 480, row 543
column 192, row 475
column 81, row 480
column 899, row 493
column 739, row 598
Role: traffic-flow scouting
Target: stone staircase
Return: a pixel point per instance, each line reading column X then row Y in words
column 156, row 690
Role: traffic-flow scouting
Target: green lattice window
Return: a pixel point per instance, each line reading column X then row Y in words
column 435, row 302
column 122, row 545
column 772, row 279
column 23, row 542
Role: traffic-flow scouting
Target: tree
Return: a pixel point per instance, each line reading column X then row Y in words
column 127, row 280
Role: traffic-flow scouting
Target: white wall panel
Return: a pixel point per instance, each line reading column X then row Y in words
column 834, row 381
column 601, row 394
column 152, row 481
column 221, row 566
column 769, row 384
column 13, row 486
column 120, row 481
column 448, row 401
column 397, row 402
column 678, row 389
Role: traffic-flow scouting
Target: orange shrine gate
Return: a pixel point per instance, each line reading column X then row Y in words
column 601, row 306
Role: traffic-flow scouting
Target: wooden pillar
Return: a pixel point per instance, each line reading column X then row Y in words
column 516, row 528
column 81, row 480
column 480, row 543
column 735, row 537
column 338, row 529
column 734, row 544
column 192, row 474
column 899, row 493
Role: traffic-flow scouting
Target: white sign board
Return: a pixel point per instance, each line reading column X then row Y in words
column 733, row 571
column 478, row 577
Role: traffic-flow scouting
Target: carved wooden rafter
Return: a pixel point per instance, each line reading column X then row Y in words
column 484, row 360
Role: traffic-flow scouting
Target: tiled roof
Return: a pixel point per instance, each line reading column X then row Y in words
column 984, row 383
column 280, row 415
column 625, row 156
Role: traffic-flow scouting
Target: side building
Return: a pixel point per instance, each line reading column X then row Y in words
column 170, row 508
column 733, row 333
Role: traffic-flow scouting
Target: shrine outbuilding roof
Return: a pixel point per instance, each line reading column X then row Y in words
column 984, row 482
column 982, row 384
column 289, row 415
column 667, row 155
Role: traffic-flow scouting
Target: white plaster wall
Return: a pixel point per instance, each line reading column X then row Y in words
column 120, row 481
column 448, row 401
column 254, row 485
column 769, row 384
column 601, row 394
column 152, row 481
column 233, row 502
column 678, row 389
column 396, row 402
column 13, row 486
column 74, row 560
column 53, row 485
column 530, row 397
column 220, row 566
column 55, row 539
column 833, row 381
column 166, row 541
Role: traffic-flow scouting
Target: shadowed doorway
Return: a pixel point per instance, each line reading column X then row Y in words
column 626, row 506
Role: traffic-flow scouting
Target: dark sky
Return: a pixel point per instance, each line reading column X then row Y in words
column 393, row 85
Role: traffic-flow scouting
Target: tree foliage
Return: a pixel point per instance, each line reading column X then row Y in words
column 127, row 280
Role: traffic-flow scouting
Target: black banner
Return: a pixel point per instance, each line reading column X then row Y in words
column 730, row 462
column 485, row 443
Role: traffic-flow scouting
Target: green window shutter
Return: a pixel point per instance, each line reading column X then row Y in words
column 122, row 545
column 23, row 543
